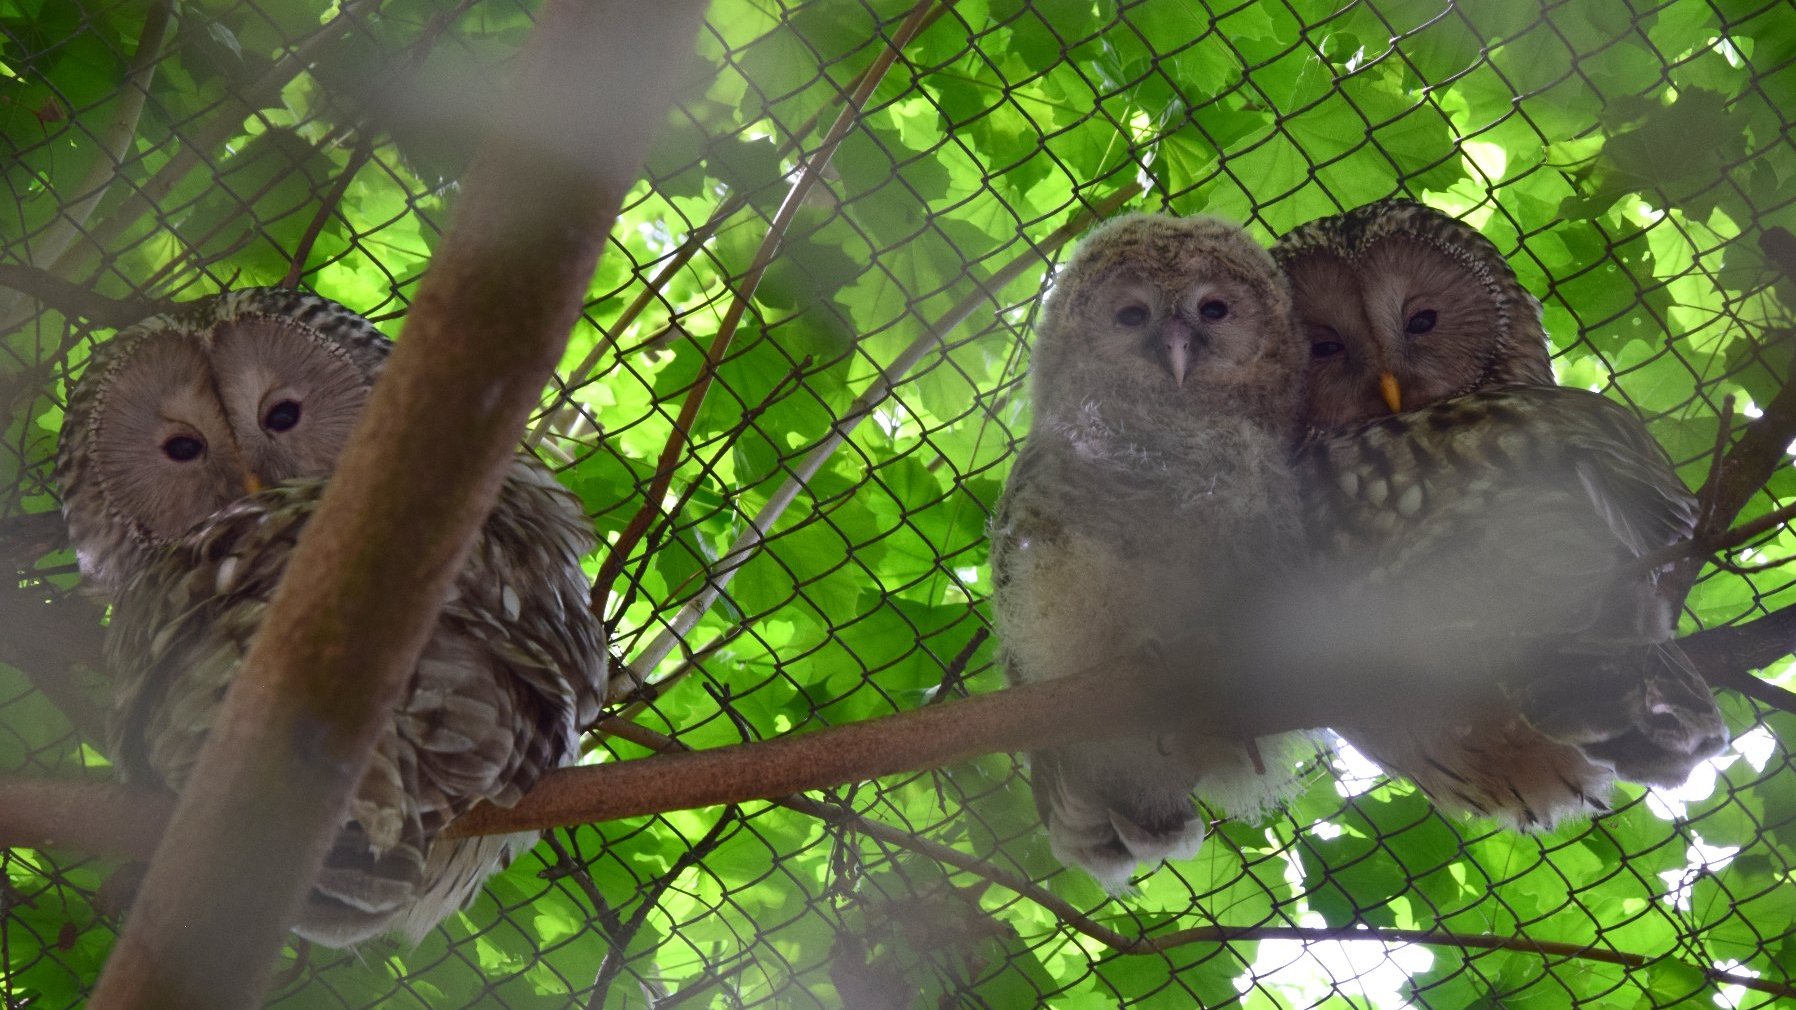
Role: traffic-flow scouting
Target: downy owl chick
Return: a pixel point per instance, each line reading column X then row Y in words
column 195, row 448
column 1492, row 519
column 1154, row 488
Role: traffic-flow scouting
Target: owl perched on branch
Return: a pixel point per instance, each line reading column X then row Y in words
column 196, row 447
column 1154, row 489
column 1488, row 522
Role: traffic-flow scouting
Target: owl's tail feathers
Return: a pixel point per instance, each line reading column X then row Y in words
column 361, row 889
column 1644, row 711
column 1106, row 826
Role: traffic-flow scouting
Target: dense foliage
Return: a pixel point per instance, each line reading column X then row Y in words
column 1626, row 157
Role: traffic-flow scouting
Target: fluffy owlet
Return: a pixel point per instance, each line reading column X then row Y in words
column 195, row 448
column 1487, row 520
column 1154, row 488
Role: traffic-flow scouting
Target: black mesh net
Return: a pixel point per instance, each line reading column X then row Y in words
column 893, row 181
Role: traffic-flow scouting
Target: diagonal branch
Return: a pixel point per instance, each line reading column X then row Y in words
column 364, row 149
column 749, row 542
column 361, row 592
column 745, row 289
column 694, row 241
column 1728, row 655
column 114, row 145
column 74, row 300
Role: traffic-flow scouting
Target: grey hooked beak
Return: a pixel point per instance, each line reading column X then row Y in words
column 1176, row 338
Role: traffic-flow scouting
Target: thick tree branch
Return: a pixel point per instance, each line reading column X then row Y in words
column 75, row 301
column 1727, row 656
column 361, row 592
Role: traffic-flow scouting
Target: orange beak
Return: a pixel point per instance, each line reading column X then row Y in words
column 251, row 483
column 1393, row 396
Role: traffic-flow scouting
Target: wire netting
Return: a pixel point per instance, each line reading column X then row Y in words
column 819, row 556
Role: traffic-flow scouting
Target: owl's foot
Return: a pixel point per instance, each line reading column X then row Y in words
column 1645, row 711
column 1110, row 845
column 1107, row 824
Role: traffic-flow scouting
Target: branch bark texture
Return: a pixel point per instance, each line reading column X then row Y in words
column 361, row 594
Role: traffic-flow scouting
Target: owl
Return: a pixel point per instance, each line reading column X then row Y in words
column 195, row 448
column 1482, row 520
column 1154, row 489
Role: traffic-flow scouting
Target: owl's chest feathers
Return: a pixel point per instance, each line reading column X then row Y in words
column 1161, row 482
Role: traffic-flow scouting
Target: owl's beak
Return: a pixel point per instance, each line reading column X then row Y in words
column 1176, row 337
column 251, row 483
column 1393, row 395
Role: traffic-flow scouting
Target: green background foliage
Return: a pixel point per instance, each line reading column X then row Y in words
column 1625, row 155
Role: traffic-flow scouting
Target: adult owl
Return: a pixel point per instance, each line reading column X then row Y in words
column 1154, row 488
column 195, row 448
column 1489, row 522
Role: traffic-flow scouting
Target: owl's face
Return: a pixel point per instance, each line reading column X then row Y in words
column 1402, row 306
column 1167, row 312
column 181, row 415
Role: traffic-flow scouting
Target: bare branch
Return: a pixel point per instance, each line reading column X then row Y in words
column 749, row 542
column 361, row 592
column 114, row 145
column 694, row 241
column 75, row 301
column 1727, row 656
column 745, row 290
column 364, row 149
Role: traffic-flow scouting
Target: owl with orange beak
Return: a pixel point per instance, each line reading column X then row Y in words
column 1487, row 523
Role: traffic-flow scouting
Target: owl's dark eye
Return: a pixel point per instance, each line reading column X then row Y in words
column 1132, row 315
column 1213, row 310
column 1326, row 348
column 181, row 448
column 282, row 416
column 1420, row 323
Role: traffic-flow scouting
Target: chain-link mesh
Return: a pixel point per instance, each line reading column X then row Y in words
column 1627, row 157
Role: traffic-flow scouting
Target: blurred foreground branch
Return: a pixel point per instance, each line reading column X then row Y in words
column 361, row 593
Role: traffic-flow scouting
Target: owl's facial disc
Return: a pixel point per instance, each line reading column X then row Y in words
column 1438, row 324
column 291, row 396
column 162, row 447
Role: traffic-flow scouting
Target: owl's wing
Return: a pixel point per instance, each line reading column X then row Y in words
column 514, row 669
column 1498, row 528
column 1545, row 491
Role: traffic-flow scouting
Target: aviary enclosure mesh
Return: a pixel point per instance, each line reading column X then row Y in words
column 1626, row 156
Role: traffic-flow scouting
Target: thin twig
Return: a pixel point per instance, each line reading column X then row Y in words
column 749, row 542
column 364, row 149
column 745, row 289
column 794, row 377
column 1705, row 503
column 576, row 868
column 614, row 960
column 694, row 241
column 1702, row 546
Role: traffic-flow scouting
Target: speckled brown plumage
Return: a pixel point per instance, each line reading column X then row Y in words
column 516, row 665
column 1491, row 526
